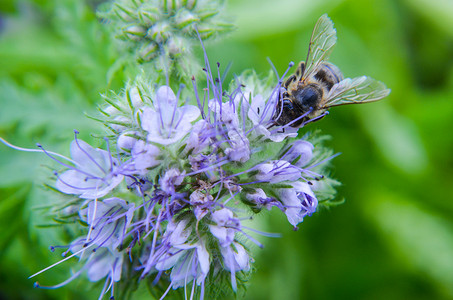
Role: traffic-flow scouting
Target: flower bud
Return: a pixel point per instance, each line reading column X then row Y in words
column 135, row 32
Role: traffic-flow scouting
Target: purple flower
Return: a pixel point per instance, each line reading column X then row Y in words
column 277, row 171
column 170, row 180
column 235, row 258
column 200, row 137
column 300, row 153
column 226, row 226
column 188, row 261
column 94, row 175
column 299, row 201
column 225, row 112
column 104, row 262
column 240, row 148
column 261, row 112
column 167, row 123
column 144, row 156
column 260, row 199
column 109, row 220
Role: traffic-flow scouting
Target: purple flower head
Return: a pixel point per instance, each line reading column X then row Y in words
column 299, row 201
column 192, row 173
column 95, row 172
column 277, row 171
column 167, row 123
column 109, row 221
column 226, row 226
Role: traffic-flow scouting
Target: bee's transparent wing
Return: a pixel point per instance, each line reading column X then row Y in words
column 357, row 90
column 322, row 41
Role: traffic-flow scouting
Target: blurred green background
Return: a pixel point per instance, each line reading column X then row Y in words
column 393, row 237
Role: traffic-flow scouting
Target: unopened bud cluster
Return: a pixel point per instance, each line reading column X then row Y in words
column 157, row 30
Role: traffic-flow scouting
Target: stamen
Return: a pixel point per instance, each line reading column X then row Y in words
column 35, row 150
column 270, row 104
column 276, row 89
column 263, row 233
column 231, row 197
column 323, row 161
column 208, row 70
column 77, row 274
column 193, row 289
column 92, row 222
column 104, row 289
column 200, row 106
column 249, row 237
column 57, row 263
column 166, row 292
column 218, row 79
column 156, row 231
column 76, row 187
column 62, row 163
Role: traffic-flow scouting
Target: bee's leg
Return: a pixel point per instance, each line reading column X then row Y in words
column 289, row 80
column 300, row 69
column 284, row 112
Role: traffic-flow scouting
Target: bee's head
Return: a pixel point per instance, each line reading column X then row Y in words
column 308, row 97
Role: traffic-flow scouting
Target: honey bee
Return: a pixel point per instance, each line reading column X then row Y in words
column 318, row 85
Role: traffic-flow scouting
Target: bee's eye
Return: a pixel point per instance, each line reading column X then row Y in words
column 307, row 97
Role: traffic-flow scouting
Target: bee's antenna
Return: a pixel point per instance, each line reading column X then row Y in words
column 273, row 67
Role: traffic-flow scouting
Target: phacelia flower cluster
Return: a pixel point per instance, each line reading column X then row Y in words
column 164, row 202
column 168, row 197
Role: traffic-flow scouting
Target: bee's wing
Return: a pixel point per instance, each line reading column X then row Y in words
column 357, row 90
column 322, row 41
